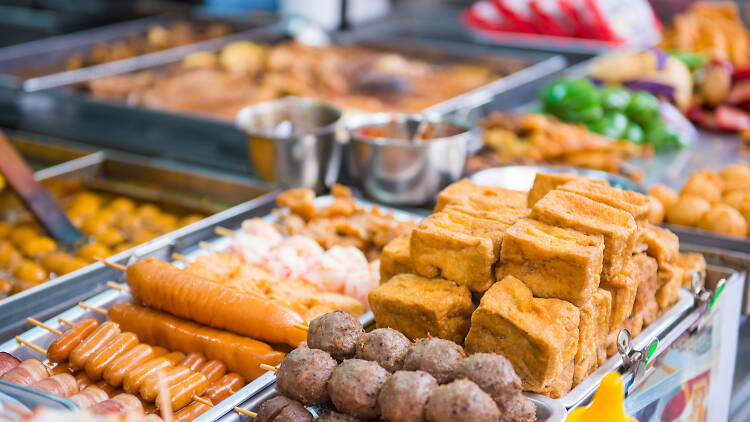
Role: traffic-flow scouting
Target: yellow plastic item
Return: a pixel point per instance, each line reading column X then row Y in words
column 607, row 404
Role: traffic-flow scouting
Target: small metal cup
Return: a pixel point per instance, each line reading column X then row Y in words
column 396, row 170
column 291, row 141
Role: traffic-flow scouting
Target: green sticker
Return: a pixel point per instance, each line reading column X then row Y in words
column 651, row 351
column 716, row 295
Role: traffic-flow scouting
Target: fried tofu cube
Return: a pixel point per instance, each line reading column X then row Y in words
column 457, row 247
column 634, row 324
column 647, row 268
column 634, row 203
column 650, row 312
column 554, row 262
column 623, row 288
column 395, row 258
column 661, row 244
column 670, row 280
column 420, row 307
column 691, row 263
column 464, row 187
column 570, row 210
column 562, row 384
column 610, row 343
column 543, row 183
column 592, row 331
column 538, row 336
column 487, row 207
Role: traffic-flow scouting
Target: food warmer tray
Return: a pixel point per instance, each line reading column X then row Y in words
column 43, row 60
column 41, row 152
column 161, row 183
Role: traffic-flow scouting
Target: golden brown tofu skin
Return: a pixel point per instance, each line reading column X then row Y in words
column 464, row 187
column 661, row 244
column 691, row 263
column 670, row 280
column 457, row 247
column 647, row 268
column 543, row 183
column 592, row 331
column 538, row 336
column 623, row 289
column 634, row 203
column 395, row 258
column 554, row 262
column 420, row 307
column 489, row 208
column 570, row 210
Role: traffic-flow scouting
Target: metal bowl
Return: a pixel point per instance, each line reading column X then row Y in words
column 522, row 177
column 291, row 140
column 394, row 168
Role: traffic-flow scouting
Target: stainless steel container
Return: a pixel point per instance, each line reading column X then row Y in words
column 291, row 140
column 396, row 169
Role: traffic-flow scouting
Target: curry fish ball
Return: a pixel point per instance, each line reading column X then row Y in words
column 72, row 264
column 91, row 251
column 86, row 203
column 164, row 223
column 54, row 262
column 665, row 195
column 5, row 229
column 190, row 219
column 28, row 270
column 736, row 176
column 123, row 247
column 38, row 246
column 735, row 198
column 6, row 287
column 122, row 205
column 147, row 211
column 22, row 234
column 110, row 237
column 687, row 210
column 705, row 184
column 141, row 235
column 95, row 225
column 8, row 255
column 722, row 218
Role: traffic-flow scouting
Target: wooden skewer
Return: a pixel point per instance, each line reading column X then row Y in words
column 92, row 308
column 301, row 326
column 117, row 286
column 268, row 367
column 40, row 324
column 223, row 231
column 65, row 321
column 207, row 246
column 16, row 409
column 180, row 257
column 31, row 346
column 203, row 400
column 245, row 412
column 112, row 264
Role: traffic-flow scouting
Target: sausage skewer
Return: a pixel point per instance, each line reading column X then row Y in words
column 268, row 367
column 31, row 346
column 92, row 308
column 43, row 325
column 223, row 231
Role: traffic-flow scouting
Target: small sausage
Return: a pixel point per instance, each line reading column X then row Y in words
column 99, row 361
column 130, row 360
column 82, row 380
column 7, row 362
column 89, row 396
column 150, row 386
column 120, row 404
column 111, row 391
column 93, row 343
column 62, row 368
column 27, row 372
column 133, row 380
column 213, row 370
column 181, row 394
column 216, row 392
column 193, row 361
column 60, row 349
column 63, row 385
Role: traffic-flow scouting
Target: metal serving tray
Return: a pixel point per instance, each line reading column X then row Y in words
column 39, row 64
column 41, row 152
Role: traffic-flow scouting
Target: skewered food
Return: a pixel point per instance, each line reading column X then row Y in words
column 336, row 333
column 282, row 409
column 337, row 417
column 304, row 374
column 435, row 356
column 354, row 387
column 385, row 346
column 404, row 395
column 461, row 400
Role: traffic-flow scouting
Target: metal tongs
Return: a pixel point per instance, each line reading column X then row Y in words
column 44, row 208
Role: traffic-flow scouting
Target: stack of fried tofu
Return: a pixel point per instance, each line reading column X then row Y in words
column 557, row 273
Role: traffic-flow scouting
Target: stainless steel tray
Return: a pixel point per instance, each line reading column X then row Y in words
column 39, row 64
column 42, row 153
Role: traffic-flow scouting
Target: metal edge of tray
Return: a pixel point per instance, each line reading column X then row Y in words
column 33, row 398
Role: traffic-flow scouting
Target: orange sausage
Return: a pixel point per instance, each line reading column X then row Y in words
column 164, row 287
column 213, row 370
column 26, row 373
column 181, row 394
column 111, row 391
column 63, row 385
column 82, row 380
column 60, row 349
column 133, row 358
column 216, row 392
column 62, row 368
column 99, row 361
column 150, row 386
column 193, row 361
column 93, row 343
column 240, row 354
column 133, row 380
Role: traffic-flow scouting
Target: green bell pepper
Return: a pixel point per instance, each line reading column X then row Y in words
column 614, row 98
column 643, row 108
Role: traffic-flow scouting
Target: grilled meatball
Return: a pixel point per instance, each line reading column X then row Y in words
column 518, row 409
column 385, row 346
column 282, row 409
column 337, row 417
column 337, row 333
column 354, row 387
column 493, row 373
column 404, row 395
column 435, row 356
column 461, row 401
column 303, row 375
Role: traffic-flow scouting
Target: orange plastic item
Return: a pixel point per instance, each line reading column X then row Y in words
column 607, row 404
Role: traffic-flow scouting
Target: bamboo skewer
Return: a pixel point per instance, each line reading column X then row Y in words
column 112, row 264
column 223, row 231
column 245, row 412
column 302, row 327
column 117, row 286
column 207, row 246
column 31, row 346
column 180, row 257
column 203, row 400
column 66, row 322
column 92, row 308
column 40, row 324
column 268, row 367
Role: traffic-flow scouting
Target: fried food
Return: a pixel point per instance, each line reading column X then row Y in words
column 655, row 211
column 420, row 307
column 664, row 194
column 688, row 210
column 705, row 184
column 592, row 330
column 498, row 209
column 544, row 183
column 661, row 244
column 623, row 289
column 553, row 262
column 633, row 203
column 736, row 177
column 570, row 210
column 538, row 336
column 647, row 281
column 395, row 258
column 464, row 188
column 691, row 263
column 670, row 279
column 723, row 219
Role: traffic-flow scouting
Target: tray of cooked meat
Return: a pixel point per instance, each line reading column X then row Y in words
column 70, row 58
